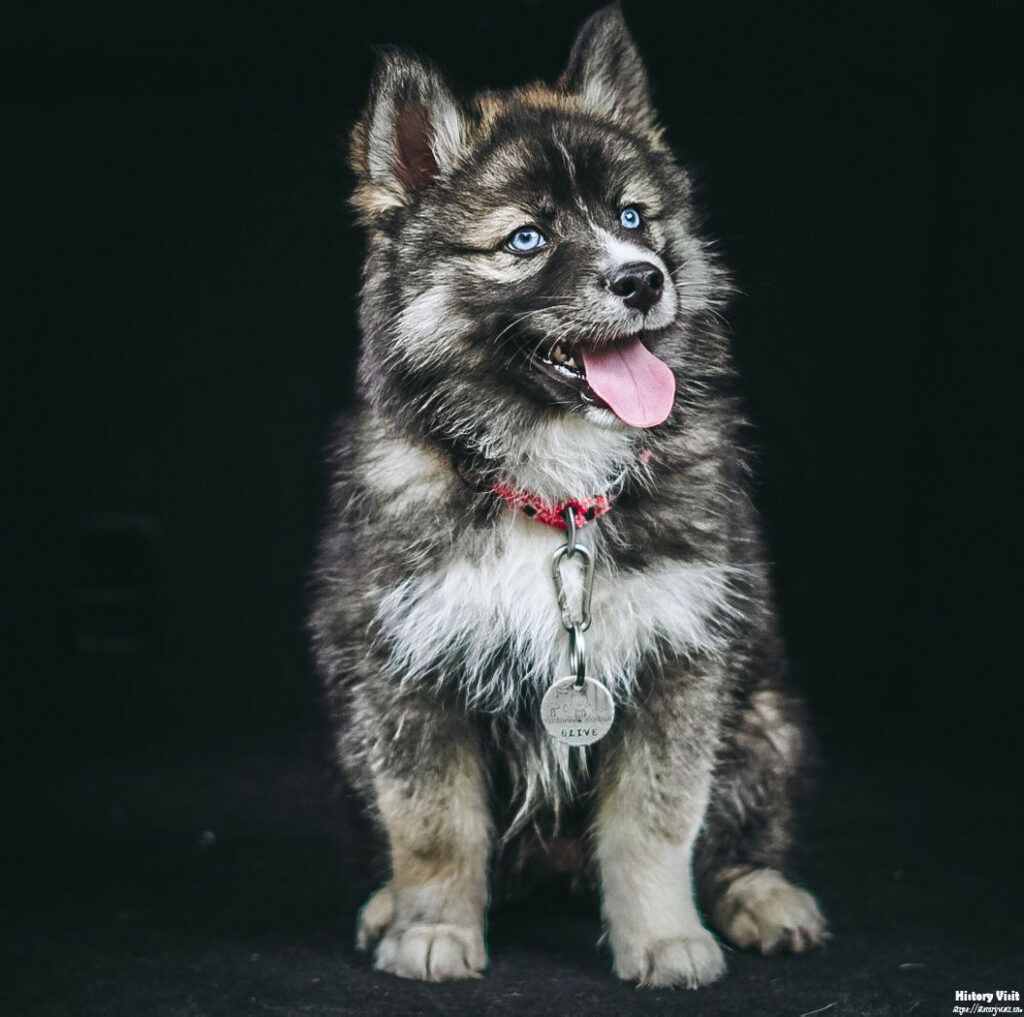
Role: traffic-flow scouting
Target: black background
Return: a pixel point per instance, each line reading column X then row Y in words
column 183, row 278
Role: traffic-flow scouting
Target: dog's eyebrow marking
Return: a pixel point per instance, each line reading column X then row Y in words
column 502, row 164
column 639, row 192
column 492, row 228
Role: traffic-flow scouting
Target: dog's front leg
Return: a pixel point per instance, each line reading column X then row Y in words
column 428, row 920
column 653, row 790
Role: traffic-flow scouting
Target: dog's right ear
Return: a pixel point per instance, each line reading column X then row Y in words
column 412, row 130
column 607, row 72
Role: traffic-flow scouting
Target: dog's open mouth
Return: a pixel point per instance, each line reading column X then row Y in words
column 622, row 375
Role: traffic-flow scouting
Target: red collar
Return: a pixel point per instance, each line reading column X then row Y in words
column 586, row 510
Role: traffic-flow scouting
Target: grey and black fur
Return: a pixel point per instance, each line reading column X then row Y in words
column 435, row 626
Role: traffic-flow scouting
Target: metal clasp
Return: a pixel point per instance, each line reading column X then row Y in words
column 574, row 626
column 571, row 549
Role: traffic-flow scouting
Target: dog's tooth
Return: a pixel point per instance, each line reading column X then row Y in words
column 571, row 362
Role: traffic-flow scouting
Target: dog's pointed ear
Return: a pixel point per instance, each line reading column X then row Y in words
column 607, row 73
column 412, row 130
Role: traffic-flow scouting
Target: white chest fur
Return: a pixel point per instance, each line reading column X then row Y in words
column 488, row 622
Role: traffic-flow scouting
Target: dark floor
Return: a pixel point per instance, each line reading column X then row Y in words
column 215, row 886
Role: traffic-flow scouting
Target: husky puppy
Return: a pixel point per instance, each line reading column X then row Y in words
column 541, row 319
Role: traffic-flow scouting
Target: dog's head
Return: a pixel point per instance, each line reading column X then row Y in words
column 532, row 253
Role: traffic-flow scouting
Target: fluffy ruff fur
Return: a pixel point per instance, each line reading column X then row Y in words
column 435, row 626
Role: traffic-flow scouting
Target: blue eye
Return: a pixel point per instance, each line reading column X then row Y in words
column 525, row 240
column 630, row 218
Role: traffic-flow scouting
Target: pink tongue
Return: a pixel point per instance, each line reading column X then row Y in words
column 639, row 388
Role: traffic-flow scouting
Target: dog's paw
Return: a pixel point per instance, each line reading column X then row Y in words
column 691, row 961
column 432, row 953
column 762, row 910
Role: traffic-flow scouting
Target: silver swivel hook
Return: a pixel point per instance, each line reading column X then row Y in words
column 573, row 625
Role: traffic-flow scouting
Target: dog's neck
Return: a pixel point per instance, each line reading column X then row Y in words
column 567, row 457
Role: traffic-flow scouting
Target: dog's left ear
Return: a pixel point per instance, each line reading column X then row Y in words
column 607, row 72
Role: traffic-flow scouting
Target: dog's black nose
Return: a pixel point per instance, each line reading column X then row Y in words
column 639, row 284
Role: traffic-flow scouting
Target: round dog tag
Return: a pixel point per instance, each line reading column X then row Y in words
column 577, row 716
